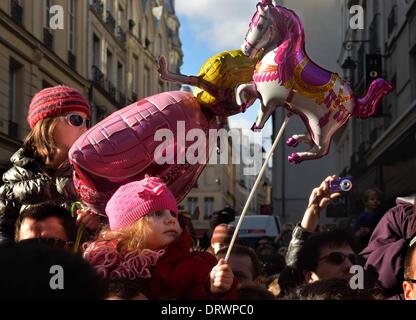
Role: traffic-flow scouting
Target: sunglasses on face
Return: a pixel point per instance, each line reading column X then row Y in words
column 410, row 280
column 77, row 121
column 339, row 257
column 54, row 242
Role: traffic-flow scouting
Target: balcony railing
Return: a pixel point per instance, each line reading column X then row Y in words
column 110, row 21
column 121, row 35
column 72, row 60
column 16, row 12
column 47, row 38
column 13, row 129
column 97, row 76
column 98, row 7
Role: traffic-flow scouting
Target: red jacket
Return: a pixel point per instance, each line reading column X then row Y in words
column 181, row 274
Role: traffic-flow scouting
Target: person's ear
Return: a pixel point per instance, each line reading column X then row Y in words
column 407, row 289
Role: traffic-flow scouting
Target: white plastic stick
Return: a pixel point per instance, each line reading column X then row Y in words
column 253, row 190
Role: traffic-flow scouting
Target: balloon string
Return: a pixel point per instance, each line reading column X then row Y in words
column 253, row 190
column 80, row 229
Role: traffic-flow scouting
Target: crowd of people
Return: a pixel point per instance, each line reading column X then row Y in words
column 142, row 247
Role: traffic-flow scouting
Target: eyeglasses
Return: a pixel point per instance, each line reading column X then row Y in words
column 411, row 280
column 77, row 120
column 339, row 257
column 54, row 242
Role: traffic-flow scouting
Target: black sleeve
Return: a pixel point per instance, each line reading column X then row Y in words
column 8, row 216
column 299, row 237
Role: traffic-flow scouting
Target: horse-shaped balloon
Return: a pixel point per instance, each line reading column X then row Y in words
column 286, row 77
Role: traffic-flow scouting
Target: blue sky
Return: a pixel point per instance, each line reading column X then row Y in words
column 209, row 27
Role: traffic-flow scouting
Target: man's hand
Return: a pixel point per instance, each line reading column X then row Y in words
column 318, row 200
column 221, row 278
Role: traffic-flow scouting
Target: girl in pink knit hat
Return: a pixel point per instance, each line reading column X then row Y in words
column 41, row 172
column 146, row 242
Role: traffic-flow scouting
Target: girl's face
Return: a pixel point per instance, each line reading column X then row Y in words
column 164, row 228
column 69, row 128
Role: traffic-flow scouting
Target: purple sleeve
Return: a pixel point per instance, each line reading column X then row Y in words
column 387, row 247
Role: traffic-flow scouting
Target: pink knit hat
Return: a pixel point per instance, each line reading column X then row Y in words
column 137, row 199
column 56, row 101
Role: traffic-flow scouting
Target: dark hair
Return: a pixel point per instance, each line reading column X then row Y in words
column 126, row 289
column 309, row 253
column 244, row 251
column 254, row 292
column 408, row 261
column 44, row 210
column 328, row 289
column 272, row 264
column 27, row 274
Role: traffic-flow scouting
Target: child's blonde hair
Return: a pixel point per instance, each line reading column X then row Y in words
column 40, row 140
column 116, row 254
column 127, row 239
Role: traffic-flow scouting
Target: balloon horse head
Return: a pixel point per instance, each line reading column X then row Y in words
column 286, row 77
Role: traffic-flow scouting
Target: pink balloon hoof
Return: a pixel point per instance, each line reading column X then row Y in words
column 292, row 142
column 294, row 158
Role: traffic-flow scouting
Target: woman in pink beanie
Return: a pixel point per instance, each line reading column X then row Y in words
column 146, row 242
column 41, row 172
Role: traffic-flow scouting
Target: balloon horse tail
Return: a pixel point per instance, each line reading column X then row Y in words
column 367, row 106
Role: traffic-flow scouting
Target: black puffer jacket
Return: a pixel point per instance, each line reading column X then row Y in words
column 28, row 182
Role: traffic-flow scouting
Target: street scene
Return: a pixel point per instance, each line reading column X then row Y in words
column 226, row 150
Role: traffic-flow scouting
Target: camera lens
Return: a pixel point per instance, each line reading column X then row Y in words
column 346, row 185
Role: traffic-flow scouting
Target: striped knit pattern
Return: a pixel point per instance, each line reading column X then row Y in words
column 56, row 101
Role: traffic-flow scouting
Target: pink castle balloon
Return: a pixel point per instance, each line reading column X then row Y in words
column 286, row 77
column 122, row 148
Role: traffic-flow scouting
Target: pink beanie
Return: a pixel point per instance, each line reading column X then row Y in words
column 56, row 101
column 134, row 200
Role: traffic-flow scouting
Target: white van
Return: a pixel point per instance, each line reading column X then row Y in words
column 255, row 227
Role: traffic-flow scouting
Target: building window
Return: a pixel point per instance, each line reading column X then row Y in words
column 109, row 65
column 46, row 15
column 71, row 21
column 16, row 11
column 110, row 6
column 208, row 207
column 15, row 96
column 146, row 82
column 120, row 78
column 96, row 51
column 135, row 84
column 192, row 203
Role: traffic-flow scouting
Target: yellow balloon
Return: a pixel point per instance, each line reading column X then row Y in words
column 225, row 70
